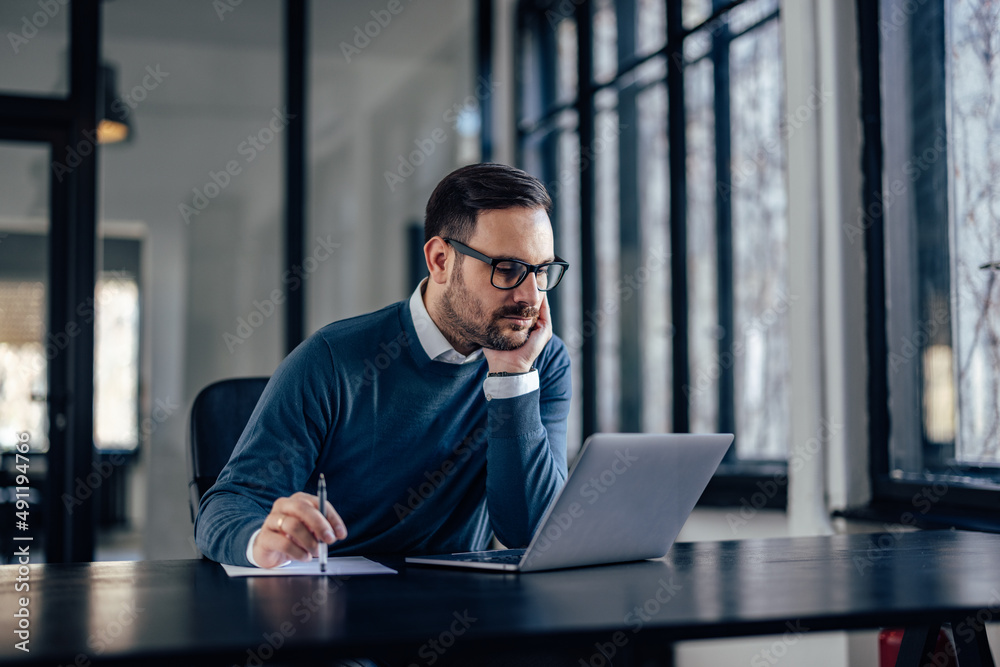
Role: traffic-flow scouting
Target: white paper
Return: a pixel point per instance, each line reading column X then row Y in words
column 340, row 566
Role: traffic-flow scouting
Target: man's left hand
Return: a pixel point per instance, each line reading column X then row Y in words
column 521, row 359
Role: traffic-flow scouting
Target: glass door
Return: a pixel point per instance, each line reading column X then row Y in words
column 27, row 346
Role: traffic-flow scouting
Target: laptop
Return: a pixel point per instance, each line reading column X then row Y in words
column 626, row 499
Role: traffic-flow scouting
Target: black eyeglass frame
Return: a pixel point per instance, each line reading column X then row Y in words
column 531, row 268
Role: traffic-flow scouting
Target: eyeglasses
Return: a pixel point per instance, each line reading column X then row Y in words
column 509, row 273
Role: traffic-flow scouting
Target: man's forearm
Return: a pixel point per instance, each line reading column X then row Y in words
column 225, row 525
column 525, row 467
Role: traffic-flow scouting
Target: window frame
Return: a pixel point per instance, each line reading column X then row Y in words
column 737, row 480
column 934, row 501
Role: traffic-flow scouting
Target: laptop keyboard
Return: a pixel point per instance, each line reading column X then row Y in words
column 513, row 559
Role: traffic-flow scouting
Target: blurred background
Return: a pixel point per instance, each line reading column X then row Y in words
column 780, row 217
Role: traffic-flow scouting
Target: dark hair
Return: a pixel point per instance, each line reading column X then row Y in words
column 456, row 201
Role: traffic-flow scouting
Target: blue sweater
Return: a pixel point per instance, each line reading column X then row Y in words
column 416, row 459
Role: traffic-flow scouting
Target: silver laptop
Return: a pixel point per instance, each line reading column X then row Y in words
column 626, row 498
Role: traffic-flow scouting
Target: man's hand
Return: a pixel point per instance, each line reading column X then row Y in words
column 295, row 529
column 521, row 359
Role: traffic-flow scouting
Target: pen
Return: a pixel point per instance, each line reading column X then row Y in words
column 322, row 510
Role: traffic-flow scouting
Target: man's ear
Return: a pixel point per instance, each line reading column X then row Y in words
column 436, row 254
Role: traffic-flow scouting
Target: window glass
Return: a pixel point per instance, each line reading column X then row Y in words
column 702, row 256
column 36, row 48
column 745, row 384
column 605, row 40
column 116, row 361
column 651, row 25
column 566, row 196
column 746, row 15
column 760, row 246
column 942, row 242
column 26, row 344
column 566, row 46
column 605, row 321
column 529, row 60
column 652, row 277
column 973, row 366
column 696, row 11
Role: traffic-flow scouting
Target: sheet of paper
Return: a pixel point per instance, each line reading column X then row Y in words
column 341, row 566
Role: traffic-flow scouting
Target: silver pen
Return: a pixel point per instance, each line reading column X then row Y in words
column 322, row 510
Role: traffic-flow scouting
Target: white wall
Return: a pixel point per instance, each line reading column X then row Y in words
column 225, row 80
column 393, row 98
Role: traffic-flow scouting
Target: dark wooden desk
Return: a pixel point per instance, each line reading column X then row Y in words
column 190, row 612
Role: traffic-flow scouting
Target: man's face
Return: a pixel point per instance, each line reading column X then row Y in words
column 474, row 310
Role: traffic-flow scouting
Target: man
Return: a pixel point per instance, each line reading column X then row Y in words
column 438, row 421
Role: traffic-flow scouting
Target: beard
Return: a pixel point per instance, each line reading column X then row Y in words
column 466, row 320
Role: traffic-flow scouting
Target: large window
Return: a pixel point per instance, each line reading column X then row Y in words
column 25, row 347
column 658, row 127
column 937, row 211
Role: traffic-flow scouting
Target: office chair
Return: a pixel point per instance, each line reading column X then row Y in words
column 219, row 414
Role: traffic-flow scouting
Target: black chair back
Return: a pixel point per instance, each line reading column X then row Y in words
column 219, row 414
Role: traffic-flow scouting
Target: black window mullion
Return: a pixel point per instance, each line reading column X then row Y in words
column 723, row 221
column 549, row 154
column 630, row 248
column 484, row 68
column 548, row 144
column 630, row 260
column 677, row 142
column 588, row 246
column 874, row 240
column 296, row 13
column 71, row 534
column 525, row 22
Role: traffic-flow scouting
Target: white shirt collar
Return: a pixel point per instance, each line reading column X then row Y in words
column 431, row 339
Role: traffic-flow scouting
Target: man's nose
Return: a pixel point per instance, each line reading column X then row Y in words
column 527, row 291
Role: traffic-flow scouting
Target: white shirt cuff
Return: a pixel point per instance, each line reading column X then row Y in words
column 250, row 549
column 510, row 386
